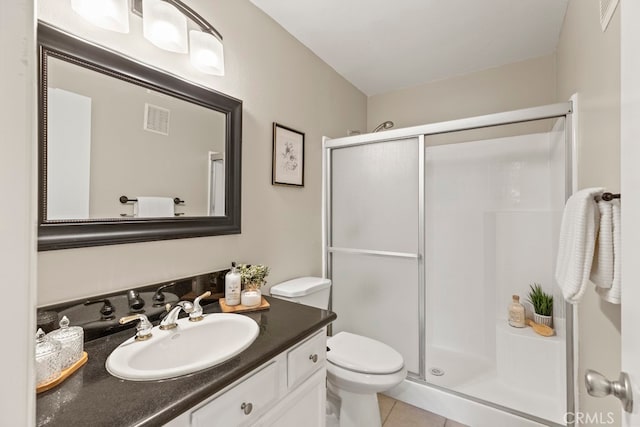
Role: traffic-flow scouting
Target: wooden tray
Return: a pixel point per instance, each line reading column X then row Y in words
column 241, row 308
column 65, row 374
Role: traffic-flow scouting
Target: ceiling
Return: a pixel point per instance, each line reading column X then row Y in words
column 384, row 45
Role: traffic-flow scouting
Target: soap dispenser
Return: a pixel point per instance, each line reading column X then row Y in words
column 232, row 285
column 516, row 313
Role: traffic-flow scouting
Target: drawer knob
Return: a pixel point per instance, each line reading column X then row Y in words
column 246, row 408
column 314, row 358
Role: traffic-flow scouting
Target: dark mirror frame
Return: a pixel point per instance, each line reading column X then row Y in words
column 61, row 234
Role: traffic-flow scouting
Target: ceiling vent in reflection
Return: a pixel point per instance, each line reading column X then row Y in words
column 156, row 119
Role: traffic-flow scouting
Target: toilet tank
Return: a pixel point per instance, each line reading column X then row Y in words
column 313, row 291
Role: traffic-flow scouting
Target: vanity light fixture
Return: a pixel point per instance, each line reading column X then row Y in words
column 165, row 24
column 205, row 45
column 111, row 15
column 206, row 53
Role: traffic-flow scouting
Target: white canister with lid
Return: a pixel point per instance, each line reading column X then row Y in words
column 71, row 338
column 48, row 366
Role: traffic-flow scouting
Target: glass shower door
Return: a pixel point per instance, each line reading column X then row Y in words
column 374, row 243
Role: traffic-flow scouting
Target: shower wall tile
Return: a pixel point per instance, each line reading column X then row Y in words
column 489, row 231
column 522, row 256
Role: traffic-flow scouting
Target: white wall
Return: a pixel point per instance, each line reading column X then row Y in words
column 278, row 80
column 589, row 63
column 17, row 220
column 509, row 87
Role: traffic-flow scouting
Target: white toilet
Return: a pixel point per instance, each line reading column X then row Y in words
column 358, row 367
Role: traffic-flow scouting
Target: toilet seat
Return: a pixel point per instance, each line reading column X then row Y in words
column 363, row 355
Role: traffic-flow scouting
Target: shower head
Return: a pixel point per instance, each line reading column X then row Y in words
column 384, row 126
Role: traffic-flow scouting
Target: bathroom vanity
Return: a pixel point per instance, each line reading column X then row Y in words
column 288, row 390
column 279, row 380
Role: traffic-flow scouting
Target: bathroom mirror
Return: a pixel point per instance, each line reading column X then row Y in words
column 128, row 153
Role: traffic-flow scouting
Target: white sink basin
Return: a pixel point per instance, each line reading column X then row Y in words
column 189, row 347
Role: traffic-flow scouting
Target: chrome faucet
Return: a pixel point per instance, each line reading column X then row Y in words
column 196, row 314
column 169, row 321
column 143, row 330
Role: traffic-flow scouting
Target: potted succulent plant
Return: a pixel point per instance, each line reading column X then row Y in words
column 253, row 278
column 542, row 305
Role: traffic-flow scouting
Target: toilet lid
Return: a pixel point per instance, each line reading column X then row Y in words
column 362, row 354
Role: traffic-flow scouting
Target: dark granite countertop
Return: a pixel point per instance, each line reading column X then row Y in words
column 93, row 397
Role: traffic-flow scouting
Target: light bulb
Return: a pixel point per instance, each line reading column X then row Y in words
column 206, row 52
column 111, row 15
column 164, row 26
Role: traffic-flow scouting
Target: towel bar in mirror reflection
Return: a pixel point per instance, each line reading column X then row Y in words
column 125, row 199
column 108, row 124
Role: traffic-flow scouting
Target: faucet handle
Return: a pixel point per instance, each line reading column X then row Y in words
column 107, row 311
column 196, row 314
column 144, row 326
column 158, row 297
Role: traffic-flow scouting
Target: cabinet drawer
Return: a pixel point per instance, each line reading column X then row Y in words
column 306, row 358
column 243, row 403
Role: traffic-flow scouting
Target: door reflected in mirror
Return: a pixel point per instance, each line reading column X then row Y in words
column 107, row 138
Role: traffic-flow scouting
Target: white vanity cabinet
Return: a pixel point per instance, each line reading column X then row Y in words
column 288, row 390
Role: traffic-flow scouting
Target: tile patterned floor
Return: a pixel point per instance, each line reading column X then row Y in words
column 395, row 413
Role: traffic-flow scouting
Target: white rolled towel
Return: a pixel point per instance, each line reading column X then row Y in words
column 613, row 293
column 602, row 268
column 154, row 207
column 577, row 242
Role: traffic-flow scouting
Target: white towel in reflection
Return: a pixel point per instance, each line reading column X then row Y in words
column 602, row 268
column 154, row 207
column 577, row 243
column 612, row 294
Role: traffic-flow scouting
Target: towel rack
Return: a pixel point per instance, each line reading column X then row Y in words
column 125, row 199
column 607, row 197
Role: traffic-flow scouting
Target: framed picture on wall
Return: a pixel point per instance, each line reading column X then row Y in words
column 288, row 156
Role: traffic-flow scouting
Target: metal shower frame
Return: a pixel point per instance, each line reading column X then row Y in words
column 564, row 109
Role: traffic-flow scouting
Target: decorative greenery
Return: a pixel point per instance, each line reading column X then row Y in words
column 541, row 301
column 253, row 276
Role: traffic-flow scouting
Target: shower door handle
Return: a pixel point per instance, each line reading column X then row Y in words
column 599, row 386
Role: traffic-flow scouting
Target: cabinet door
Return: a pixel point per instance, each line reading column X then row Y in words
column 243, row 403
column 304, row 406
column 303, row 360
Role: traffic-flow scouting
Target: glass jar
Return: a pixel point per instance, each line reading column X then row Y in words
column 251, row 297
column 48, row 361
column 71, row 338
column 47, row 320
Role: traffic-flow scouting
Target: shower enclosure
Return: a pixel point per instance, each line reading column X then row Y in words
column 429, row 231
